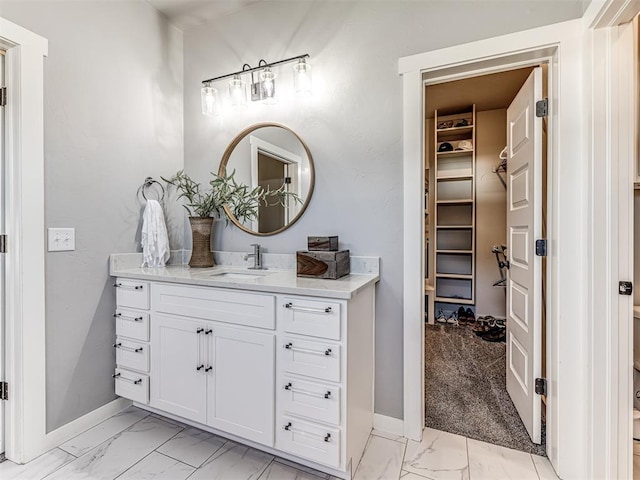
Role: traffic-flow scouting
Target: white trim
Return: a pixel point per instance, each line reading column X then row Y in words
column 382, row 423
column 567, row 439
column 84, row 423
column 25, row 307
column 610, row 87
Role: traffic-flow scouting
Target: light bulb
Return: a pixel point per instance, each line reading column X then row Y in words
column 268, row 86
column 238, row 92
column 210, row 101
column 302, row 78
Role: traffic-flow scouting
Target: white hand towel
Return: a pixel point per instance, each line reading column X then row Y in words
column 155, row 242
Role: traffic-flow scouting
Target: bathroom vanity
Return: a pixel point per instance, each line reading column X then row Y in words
column 281, row 363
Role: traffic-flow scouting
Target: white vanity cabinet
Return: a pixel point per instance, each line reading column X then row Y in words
column 291, row 374
column 215, row 373
column 132, row 340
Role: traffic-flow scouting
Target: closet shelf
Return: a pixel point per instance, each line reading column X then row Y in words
column 455, row 275
column 461, row 252
column 445, row 132
column 454, row 177
column 461, row 301
column 455, row 202
column 455, row 153
column 454, row 227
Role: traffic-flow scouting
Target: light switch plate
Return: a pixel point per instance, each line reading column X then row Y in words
column 61, row 239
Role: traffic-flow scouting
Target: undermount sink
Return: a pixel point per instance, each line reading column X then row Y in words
column 239, row 275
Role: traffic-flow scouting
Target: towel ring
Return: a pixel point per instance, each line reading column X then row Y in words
column 148, row 183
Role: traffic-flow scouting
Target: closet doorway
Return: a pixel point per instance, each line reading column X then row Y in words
column 485, row 176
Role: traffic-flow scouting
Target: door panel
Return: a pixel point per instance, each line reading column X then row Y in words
column 177, row 386
column 524, row 226
column 241, row 384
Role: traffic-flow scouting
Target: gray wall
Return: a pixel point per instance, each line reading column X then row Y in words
column 491, row 210
column 352, row 125
column 113, row 115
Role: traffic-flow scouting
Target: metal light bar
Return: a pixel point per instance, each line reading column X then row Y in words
column 255, row 69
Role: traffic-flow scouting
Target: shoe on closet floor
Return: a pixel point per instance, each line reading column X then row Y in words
column 441, row 317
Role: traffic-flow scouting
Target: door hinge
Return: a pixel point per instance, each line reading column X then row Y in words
column 541, row 247
column 3, row 243
column 3, row 96
column 542, row 108
column 541, row 386
column 4, row 391
column 287, row 180
column 625, row 288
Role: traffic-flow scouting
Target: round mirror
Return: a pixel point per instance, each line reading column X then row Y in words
column 273, row 157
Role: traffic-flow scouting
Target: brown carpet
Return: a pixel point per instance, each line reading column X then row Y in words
column 465, row 389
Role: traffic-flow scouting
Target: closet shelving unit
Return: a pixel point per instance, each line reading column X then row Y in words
column 455, row 209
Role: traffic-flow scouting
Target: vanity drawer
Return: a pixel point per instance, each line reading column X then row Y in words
column 132, row 385
column 222, row 305
column 132, row 355
column 309, row 440
column 310, row 399
column 132, row 324
column 313, row 359
column 311, row 317
column 132, row 294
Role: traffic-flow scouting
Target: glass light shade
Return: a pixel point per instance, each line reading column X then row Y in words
column 238, row 92
column 302, row 78
column 268, row 86
column 210, row 101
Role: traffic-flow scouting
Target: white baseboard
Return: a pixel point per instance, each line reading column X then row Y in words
column 388, row 424
column 79, row 425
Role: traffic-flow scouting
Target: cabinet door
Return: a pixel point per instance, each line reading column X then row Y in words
column 241, row 384
column 178, row 378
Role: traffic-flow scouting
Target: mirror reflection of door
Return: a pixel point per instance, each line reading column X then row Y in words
column 273, row 166
column 272, row 173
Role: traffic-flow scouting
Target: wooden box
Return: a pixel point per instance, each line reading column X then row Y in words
column 331, row 265
column 322, row 244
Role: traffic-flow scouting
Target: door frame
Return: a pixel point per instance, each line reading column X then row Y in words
column 610, row 81
column 25, row 426
column 561, row 46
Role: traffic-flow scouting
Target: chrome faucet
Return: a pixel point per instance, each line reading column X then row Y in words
column 257, row 257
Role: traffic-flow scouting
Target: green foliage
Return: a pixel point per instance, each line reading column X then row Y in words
column 239, row 198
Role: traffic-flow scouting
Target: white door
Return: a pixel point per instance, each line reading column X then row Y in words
column 178, row 378
column 524, row 226
column 2, row 230
column 241, row 383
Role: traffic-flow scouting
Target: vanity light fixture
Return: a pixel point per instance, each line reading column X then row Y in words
column 210, row 100
column 302, row 77
column 263, row 90
column 238, row 91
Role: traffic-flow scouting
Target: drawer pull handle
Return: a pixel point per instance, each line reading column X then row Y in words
column 199, row 367
column 289, row 428
column 129, row 287
column 127, row 349
column 208, row 369
column 125, row 317
column 200, row 330
column 326, row 395
column 291, row 306
column 289, row 346
column 119, row 376
column 208, row 331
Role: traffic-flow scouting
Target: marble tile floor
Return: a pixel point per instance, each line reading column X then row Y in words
column 135, row 445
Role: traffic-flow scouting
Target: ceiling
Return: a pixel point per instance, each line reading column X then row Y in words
column 185, row 14
column 488, row 92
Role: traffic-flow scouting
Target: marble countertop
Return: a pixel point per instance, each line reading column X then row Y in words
column 272, row 280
